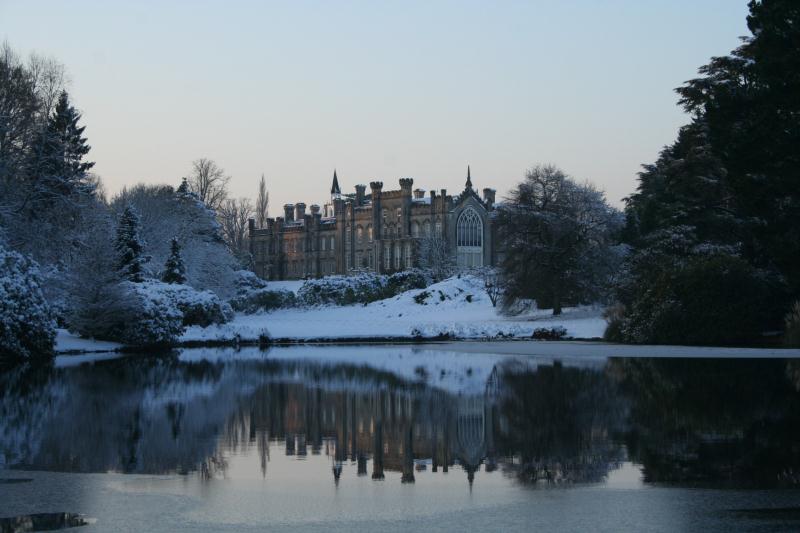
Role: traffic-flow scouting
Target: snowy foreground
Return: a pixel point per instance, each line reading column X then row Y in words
column 457, row 307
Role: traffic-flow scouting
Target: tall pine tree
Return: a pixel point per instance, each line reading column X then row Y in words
column 129, row 247
column 60, row 170
column 174, row 269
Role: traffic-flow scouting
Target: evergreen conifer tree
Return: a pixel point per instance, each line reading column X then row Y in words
column 129, row 247
column 174, row 269
column 713, row 224
column 60, row 167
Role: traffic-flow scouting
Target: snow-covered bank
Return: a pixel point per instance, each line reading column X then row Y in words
column 67, row 342
column 457, row 307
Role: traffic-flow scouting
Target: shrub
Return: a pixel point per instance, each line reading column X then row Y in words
column 154, row 318
column 408, row 280
column 146, row 314
column 711, row 300
column 27, row 327
column 263, row 300
column 421, row 297
column 360, row 289
column 549, row 334
column 791, row 335
column 614, row 315
column 199, row 308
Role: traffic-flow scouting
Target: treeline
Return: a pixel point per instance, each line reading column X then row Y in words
column 708, row 250
column 714, row 225
column 136, row 268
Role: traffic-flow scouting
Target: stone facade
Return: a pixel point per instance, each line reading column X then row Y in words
column 379, row 231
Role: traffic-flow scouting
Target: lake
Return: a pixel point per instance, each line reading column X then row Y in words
column 443, row 437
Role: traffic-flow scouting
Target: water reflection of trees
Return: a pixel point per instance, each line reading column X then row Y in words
column 683, row 420
column 560, row 422
column 714, row 420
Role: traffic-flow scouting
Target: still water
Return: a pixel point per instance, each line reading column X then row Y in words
column 403, row 438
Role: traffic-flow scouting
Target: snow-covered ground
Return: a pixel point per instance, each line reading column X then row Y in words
column 458, row 307
column 66, row 342
column 289, row 285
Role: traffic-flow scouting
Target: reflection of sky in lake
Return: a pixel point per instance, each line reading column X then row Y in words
column 375, row 436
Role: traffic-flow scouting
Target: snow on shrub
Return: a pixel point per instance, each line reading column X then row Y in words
column 408, row 280
column 198, row 308
column 263, row 300
column 342, row 290
column 361, row 288
column 154, row 318
column 27, row 327
column 247, row 281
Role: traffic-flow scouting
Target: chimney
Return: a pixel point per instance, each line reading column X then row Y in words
column 314, row 209
column 360, row 194
column 488, row 196
column 419, row 194
column 288, row 212
column 300, row 209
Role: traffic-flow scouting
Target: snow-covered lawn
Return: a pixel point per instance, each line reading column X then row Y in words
column 457, row 306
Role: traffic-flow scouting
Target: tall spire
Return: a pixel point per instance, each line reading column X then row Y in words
column 335, row 186
column 469, row 179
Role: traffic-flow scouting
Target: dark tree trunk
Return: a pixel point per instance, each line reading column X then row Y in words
column 556, row 295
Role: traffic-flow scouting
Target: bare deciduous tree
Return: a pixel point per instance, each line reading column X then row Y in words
column 492, row 283
column 49, row 79
column 233, row 215
column 209, row 182
column 262, row 204
column 434, row 255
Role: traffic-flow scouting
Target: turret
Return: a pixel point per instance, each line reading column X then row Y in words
column 300, row 209
column 360, row 194
column 405, row 185
column 314, row 209
column 288, row 212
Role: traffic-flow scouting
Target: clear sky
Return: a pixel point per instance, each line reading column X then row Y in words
column 379, row 90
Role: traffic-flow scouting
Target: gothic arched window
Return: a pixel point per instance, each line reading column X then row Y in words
column 469, row 239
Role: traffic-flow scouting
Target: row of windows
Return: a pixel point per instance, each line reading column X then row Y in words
column 296, row 245
column 397, row 259
column 297, row 268
column 472, row 234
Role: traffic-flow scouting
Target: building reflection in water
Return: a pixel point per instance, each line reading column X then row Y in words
column 402, row 429
column 684, row 421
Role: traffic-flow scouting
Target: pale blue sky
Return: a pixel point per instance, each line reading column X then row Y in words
column 379, row 90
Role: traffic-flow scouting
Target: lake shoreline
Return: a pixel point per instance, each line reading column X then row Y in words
column 509, row 346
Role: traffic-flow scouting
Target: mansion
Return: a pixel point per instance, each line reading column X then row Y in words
column 378, row 231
